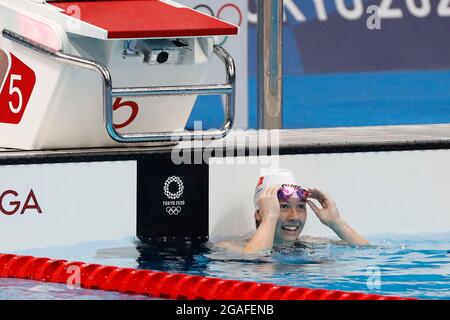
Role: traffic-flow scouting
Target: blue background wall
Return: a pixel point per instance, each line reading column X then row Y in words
column 340, row 73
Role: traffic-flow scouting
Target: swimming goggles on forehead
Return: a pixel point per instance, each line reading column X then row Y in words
column 288, row 190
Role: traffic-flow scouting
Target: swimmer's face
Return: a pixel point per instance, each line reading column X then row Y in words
column 291, row 221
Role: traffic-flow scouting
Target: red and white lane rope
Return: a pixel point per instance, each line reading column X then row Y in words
column 162, row 284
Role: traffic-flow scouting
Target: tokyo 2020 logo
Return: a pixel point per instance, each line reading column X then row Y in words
column 172, row 207
column 180, row 185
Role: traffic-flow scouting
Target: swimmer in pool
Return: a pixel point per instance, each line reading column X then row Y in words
column 280, row 214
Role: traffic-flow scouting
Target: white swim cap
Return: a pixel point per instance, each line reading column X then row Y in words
column 273, row 178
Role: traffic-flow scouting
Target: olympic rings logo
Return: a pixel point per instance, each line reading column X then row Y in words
column 229, row 12
column 168, row 193
column 173, row 211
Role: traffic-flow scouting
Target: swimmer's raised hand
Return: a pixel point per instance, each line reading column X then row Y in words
column 267, row 217
column 268, row 204
column 328, row 213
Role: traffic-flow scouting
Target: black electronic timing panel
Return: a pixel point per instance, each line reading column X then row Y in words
column 172, row 200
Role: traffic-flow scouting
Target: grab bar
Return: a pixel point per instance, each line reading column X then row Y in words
column 228, row 89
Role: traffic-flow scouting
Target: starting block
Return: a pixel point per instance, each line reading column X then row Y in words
column 71, row 69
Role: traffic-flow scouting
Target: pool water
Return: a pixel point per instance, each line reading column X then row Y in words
column 13, row 289
column 347, row 100
column 410, row 266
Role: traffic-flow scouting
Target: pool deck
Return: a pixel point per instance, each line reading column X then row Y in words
column 334, row 140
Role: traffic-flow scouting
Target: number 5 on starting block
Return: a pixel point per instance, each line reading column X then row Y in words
column 17, row 81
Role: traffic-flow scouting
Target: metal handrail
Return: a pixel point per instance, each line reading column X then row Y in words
column 228, row 89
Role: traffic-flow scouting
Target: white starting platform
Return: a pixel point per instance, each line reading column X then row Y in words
column 99, row 73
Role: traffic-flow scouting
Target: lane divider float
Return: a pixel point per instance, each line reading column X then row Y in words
column 162, row 284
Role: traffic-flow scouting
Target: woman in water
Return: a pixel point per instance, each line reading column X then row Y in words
column 280, row 214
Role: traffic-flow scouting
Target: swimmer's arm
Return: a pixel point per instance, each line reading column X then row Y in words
column 269, row 212
column 263, row 238
column 347, row 233
column 229, row 246
column 328, row 214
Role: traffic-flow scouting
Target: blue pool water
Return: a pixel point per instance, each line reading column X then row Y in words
column 12, row 289
column 349, row 100
column 410, row 266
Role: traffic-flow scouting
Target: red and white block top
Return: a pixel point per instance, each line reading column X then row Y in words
column 131, row 19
